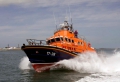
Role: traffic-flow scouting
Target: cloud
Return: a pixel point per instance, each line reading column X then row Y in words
column 48, row 3
column 13, row 2
column 34, row 19
column 39, row 27
column 35, row 3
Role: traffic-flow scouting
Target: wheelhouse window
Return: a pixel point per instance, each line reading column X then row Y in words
column 52, row 40
column 69, row 40
column 48, row 42
column 57, row 39
column 72, row 41
column 66, row 39
column 82, row 43
column 79, row 43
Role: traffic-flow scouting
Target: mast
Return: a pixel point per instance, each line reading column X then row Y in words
column 55, row 20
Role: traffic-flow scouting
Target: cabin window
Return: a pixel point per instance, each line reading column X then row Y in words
column 57, row 39
column 82, row 43
column 72, row 41
column 66, row 39
column 52, row 40
column 48, row 41
column 69, row 40
column 79, row 43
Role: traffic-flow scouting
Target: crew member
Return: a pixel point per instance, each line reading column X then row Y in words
column 89, row 45
column 76, row 33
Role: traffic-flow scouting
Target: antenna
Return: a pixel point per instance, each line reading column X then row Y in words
column 70, row 14
column 66, row 18
column 59, row 19
column 55, row 20
column 71, row 19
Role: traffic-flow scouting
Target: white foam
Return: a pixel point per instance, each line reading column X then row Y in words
column 93, row 63
column 104, row 68
column 25, row 63
column 101, row 78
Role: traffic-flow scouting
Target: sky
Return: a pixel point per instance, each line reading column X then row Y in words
column 96, row 20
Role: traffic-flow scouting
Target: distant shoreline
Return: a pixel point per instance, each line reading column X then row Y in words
column 4, row 49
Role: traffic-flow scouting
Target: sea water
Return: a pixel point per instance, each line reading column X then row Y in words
column 103, row 66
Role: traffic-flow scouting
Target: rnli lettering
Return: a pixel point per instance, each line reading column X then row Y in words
column 51, row 53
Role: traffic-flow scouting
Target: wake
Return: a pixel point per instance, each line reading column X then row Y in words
column 85, row 63
column 93, row 63
column 102, row 66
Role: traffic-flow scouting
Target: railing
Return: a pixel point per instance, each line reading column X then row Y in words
column 83, row 38
column 36, row 42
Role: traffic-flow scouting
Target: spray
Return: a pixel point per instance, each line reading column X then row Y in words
column 25, row 63
column 93, row 63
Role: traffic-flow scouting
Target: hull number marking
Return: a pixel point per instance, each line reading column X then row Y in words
column 51, row 53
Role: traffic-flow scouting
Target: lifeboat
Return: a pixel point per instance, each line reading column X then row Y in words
column 64, row 44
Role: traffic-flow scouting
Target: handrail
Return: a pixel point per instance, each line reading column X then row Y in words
column 36, row 42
